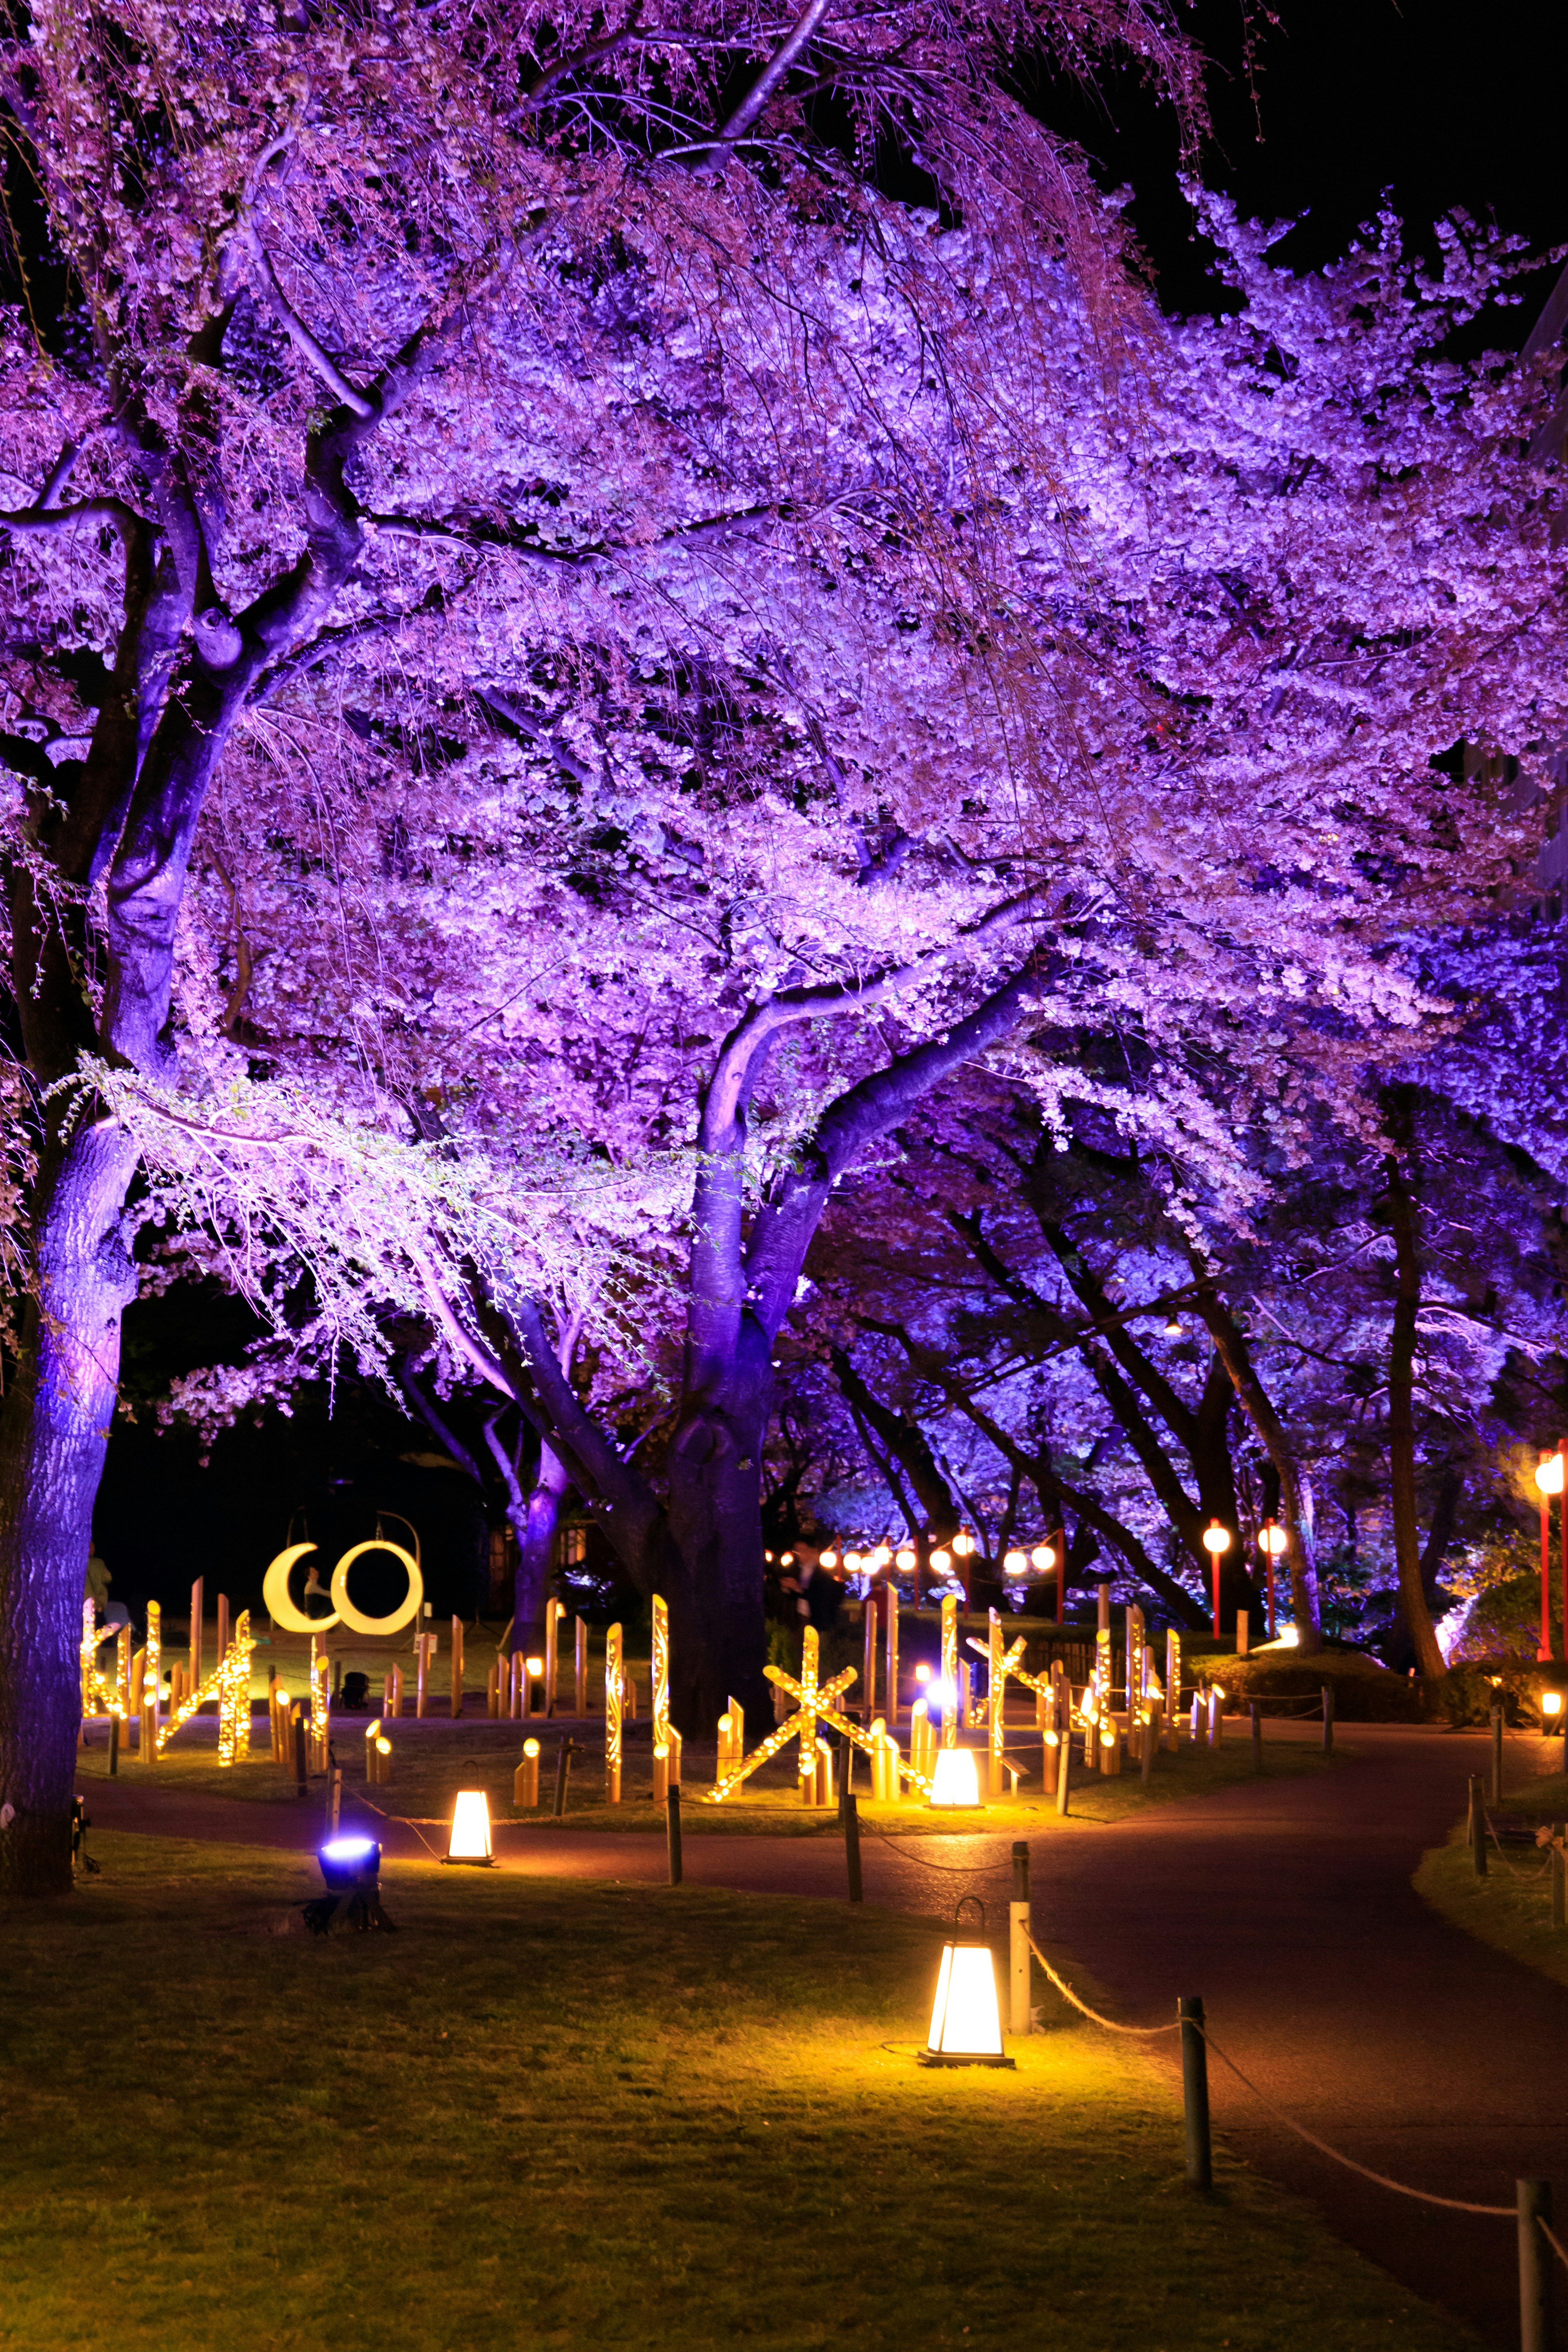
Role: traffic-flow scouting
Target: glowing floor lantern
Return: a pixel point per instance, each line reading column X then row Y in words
column 1551, row 1712
column 471, row 1838
column 965, row 2019
column 955, row 1782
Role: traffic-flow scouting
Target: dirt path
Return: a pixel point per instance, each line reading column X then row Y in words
column 1287, row 1904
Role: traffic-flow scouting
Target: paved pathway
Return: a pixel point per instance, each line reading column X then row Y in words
column 1287, row 1904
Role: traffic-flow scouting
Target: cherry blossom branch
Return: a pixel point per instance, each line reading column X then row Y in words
column 310, row 350
column 742, row 117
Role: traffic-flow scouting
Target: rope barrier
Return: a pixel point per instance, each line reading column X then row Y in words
column 1541, row 1868
column 1109, row 2023
column 1400, row 2187
column 1553, row 2240
column 947, row 1869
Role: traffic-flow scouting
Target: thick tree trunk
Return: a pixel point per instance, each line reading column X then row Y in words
column 54, row 1428
column 535, row 1526
column 714, row 1470
column 1230, row 1342
column 1413, row 1602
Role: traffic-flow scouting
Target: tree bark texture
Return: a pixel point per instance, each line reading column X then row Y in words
column 1230, row 1345
column 1402, row 1339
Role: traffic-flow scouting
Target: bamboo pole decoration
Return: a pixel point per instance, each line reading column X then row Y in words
column 868, row 1665
column 613, row 1687
column 422, row 1674
column 580, row 1665
column 660, row 1772
column 525, row 1780
column 457, row 1668
column 996, row 1693
column 492, row 1690
column 222, row 1627
column 553, row 1613
column 517, row 1702
column 123, row 1668
column 320, row 1704
column 1172, row 1689
column 198, row 1603
column 660, row 1614
column 891, row 1655
column 815, row 1704
column 676, row 1748
column 949, row 1670
column 233, row 1680
column 138, row 1664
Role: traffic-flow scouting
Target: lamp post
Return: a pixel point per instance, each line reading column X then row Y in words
column 1217, row 1543
column 1549, row 1479
column 1272, row 1541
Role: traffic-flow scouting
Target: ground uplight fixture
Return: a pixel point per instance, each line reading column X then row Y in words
column 955, row 1783
column 965, row 2016
column 470, row 1838
column 351, row 1867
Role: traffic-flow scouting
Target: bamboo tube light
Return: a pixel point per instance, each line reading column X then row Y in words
column 199, row 1591
column 553, row 1613
column 659, row 1614
column 869, row 1663
column 492, row 1690
column 372, row 1734
column 891, row 1658
column 675, row 1746
column 996, row 1693
column 949, row 1671
column 534, row 1669
column 222, row 1627
column 580, row 1665
column 457, row 1668
column 525, row 1780
column 613, row 1687
column 421, row 1672
column 138, row 1664
column 122, row 1669
column 1172, row 1689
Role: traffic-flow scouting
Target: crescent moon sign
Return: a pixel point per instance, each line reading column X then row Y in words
column 275, row 1594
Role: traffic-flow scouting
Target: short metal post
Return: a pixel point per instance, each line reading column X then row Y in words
column 672, row 1831
column 1018, row 1940
column 1534, row 2202
column 1477, row 1826
column 849, row 1814
column 1195, row 2092
column 113, row 1746
column 1559, row 1873
column 1497, row 1755
column 1328, row 1719
column 1256, row 1714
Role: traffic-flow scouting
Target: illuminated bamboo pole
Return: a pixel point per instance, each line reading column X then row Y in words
column 674, row 1744
column 1172, row 1689
column 996, row 1693
column 320, row 1704
column 580, row 1665
column 724, row 1759
column 122, row 1671
column 138, row 1663
column 525, row 1780
column 868, row 1667
column 613, row 1716
column 492, row 1690
column 421, row 1672
column 950, row 1670
column 629, row 1692
column 517, row 1695
column 222, row 1627
column 391, row 1692
column 457, row 1668
column 198, row 1603
column 553, row 1613
column 824, row 1793
column 890, row 1661
column 661, row 1671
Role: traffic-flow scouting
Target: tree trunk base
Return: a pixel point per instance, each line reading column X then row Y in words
column 36, row 1855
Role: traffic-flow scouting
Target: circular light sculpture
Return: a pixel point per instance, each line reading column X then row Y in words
column 275, row 1595
column 355, row 1618
column 955, row 1782
column 965, row 2016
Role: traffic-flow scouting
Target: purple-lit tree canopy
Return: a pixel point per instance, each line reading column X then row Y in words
column 595, row 687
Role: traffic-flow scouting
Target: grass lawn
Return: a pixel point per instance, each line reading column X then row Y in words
column 556, row 2115
column 433, row 1758
column 1512, row 1905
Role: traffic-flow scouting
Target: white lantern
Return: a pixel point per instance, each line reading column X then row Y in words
column 965, row 2017
column 955, row 1782
column 470, row 1838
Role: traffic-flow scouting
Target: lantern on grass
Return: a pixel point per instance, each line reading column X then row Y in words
column 1551, row 1717
column 470, row 1838
column 954, row 1781
column 965, row 2017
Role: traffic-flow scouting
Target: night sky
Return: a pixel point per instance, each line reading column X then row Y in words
column 1431, row 107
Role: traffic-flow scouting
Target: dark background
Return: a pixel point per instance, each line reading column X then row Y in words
column 1341, row 108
